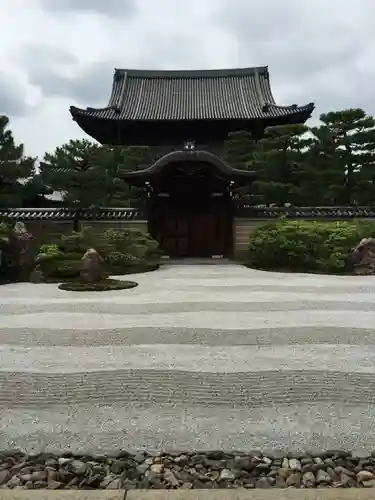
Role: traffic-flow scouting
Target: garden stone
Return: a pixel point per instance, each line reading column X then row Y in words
column 263, row 482
column 78, row 467
column 294, row 480
column 3, row 476
column 157, row 468
column 21, row 247
column 364, row 476
column 323, row 477
column 226, row 475
column 285, row 463
column 363, row 257
column 308, row 480
column 295, row 464
column 170, row 478
column 54, row 485
column 92, row 266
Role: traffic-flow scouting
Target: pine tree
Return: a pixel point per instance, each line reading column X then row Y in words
column 239, row 149
column 83, row 172
column 346, row 146
column 15, row 168
column 129, row 159
column 279, row 161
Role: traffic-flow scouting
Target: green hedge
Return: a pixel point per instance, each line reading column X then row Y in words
column 126, row 251
column 307, row 245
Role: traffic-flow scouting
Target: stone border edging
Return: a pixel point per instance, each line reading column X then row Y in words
column 281, row 494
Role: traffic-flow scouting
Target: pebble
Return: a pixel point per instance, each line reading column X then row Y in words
column 294, row 480
column 295, row 464
column 323, row 477
column 185, row 470
column 308, row 480
column 365, row 475
column 227, row 475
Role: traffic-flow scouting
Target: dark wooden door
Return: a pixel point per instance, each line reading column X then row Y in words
column 193, row 235
column 202, row 235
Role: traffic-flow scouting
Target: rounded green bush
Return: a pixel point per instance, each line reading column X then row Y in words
column 300, row 245
column 98, row 286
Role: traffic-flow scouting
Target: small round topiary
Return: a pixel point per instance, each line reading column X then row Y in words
column 97, row 286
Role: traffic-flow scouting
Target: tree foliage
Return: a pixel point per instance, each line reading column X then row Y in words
column 332, row 163
column 15, row 168
column 279, row 160
column 346, row 145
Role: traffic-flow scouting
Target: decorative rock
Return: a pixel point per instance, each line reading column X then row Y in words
column 187, row 470
column 4, row 474
column 280, row 483
column 263, row 482
column 22, row 249
column 365, row 475
column 285, row 464
column 54, row 485
column 347, row 481
column 294, row 480
column 283, row 472
column 63, row 461
column 170, row 478
column 157, row 468
column 187, row 486
column 39, row 476
column 77, row 467
column 182, row 460
column 322, row 477
column 115, row 484
column 92, row 266
column 14, row 482
column 363, row 257
column 226, row 475
column 295, row 464
column 308, row 480
column 318, row 461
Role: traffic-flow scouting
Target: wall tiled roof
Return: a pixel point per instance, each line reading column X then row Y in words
column 67, row 214
column 237, row 94
column 242, row 210
column 337, row 212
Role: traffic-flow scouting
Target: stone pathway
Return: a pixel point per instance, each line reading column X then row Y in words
column 197, row 357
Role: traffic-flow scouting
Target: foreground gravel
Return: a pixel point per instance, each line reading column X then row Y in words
column 190, row 470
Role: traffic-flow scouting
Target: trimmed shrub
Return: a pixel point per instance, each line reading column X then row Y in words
column 125, row 251
column 300, row 245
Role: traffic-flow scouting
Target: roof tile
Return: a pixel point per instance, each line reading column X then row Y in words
column 239, row 94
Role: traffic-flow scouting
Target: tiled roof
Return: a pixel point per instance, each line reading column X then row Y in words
column 196, row 156
column 242, row 210
column 67, row 214
column 250, row 211
column 239, row 94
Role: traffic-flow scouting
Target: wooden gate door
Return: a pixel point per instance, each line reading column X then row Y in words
column 202, row 235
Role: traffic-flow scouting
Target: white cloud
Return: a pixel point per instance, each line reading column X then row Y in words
column 49, row 59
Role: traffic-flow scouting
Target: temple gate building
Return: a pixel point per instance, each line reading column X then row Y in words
column 187, row 116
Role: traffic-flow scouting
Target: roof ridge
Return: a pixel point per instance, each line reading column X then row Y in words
column 191, row 73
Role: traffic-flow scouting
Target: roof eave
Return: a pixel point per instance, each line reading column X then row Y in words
column 192, row 156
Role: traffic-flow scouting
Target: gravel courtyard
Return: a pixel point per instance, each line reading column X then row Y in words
column 196, row 357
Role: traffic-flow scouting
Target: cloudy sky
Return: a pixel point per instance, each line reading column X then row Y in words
column 54, row 53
